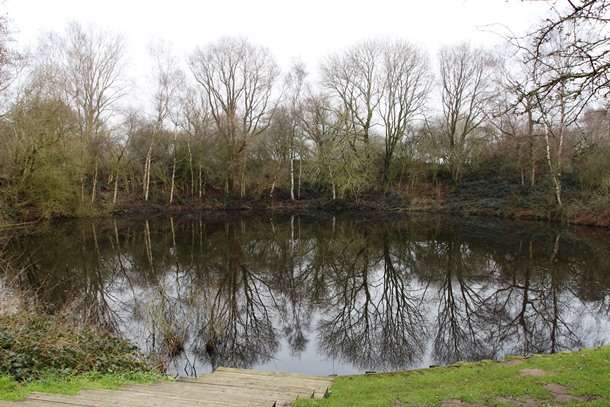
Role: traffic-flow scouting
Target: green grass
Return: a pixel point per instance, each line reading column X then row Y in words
column 586, row 375
column 13, row 390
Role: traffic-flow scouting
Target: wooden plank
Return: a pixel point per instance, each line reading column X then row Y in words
column 43, row 403
column 243, row 394
column 262, row 373
column 179, row 400
column 224, row 387
column 46, row 399
column 303, row 392
column 266, row 376
column 302, row 388
column 146, row 400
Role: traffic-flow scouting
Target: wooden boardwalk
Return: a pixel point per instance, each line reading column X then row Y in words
column 224, row 387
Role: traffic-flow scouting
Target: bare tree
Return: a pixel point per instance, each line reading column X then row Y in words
column 588, row 48
column 238, row 79
column 351, row 78
column 195, row 123
column 318, row 122
column 169, row 81
column 89, row 67
column 515, row 100
column 466, row 87
column 559, row 106
column 405, row 84
column 295, row 83
column 379, row 84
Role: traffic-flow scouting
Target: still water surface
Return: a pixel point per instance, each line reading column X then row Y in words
column 327, row 295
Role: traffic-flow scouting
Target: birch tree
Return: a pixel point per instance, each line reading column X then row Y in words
column 559, row 105
column 295, row 84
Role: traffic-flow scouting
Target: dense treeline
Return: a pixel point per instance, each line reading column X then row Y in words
column 530, row 123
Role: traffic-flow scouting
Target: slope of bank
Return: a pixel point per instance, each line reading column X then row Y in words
column 574, row 378
column 474, row 198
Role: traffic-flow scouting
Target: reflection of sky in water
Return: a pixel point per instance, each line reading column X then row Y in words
column 365, row 296
column 137, row 306
column 309, row 361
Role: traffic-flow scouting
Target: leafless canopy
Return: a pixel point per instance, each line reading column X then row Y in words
column 238, row 79
column 584, row 22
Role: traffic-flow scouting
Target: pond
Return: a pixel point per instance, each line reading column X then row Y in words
column 322, row 294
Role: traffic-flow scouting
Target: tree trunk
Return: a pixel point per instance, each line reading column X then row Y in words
column 116, row 189
column 530, row 134
column 300, row 177
column 94, row 181
column 173, row 181
column 292, row 173
column 191, row 168
column 147, row 165
column 554, row 170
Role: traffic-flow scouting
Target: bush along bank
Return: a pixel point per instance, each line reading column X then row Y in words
column 49, row 351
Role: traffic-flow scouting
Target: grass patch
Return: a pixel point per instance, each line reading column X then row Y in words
column 13, row 390
column 575, row 378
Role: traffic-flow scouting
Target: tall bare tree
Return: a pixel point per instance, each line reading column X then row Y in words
column 238, row 78
column 169, row 81
column 90, row 67
column 351, row 78
column 318, row 122
column 560, row 105
column 380, row 84
column 295, row 83
column 195, row 123
column 515, row 100
column 466, row 88
column 405, row 83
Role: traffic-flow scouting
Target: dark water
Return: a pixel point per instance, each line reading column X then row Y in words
column 326, row 295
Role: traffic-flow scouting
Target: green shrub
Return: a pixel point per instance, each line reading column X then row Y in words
column 32, row 345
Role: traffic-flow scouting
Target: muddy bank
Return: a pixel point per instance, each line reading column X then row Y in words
column 508, row 207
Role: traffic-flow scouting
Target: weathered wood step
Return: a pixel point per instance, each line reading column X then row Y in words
column 223, row 387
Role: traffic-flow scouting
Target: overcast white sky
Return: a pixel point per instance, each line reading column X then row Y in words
column 308, row 30
column 305, row 29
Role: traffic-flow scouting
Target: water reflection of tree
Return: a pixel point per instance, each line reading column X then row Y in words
column 239, row 329
column 290, row 253
column 372, row 318
column 534, row 300
column 461, row 334
column 227, row 291
column 67, row 275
